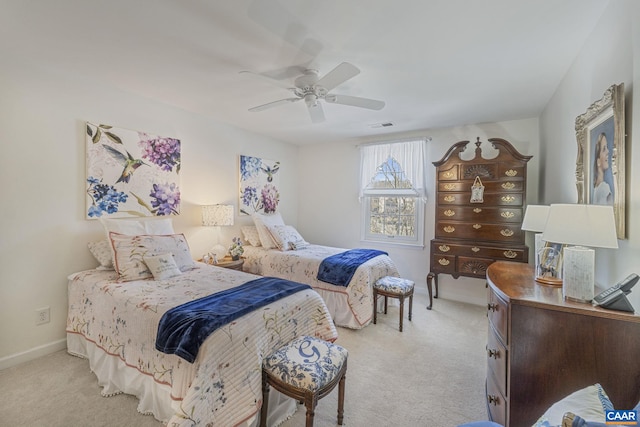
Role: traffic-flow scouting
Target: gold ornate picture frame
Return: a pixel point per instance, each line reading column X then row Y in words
column 600, row 165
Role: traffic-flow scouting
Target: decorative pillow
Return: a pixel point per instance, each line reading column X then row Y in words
column 250, row 234
column 101, row 251
column 162, row 266
column 130, row 252
column 136, row 227
column 287, row 237
column 589, row 403
column 262, row 221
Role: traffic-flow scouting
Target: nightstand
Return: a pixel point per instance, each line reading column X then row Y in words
column 227, row 262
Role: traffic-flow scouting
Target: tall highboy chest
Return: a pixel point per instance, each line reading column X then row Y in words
column 479, row 211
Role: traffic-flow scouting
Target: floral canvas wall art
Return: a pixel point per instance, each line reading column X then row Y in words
column 258, row 185
column 131, row 173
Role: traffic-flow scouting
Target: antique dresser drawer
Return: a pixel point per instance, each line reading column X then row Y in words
column 480, row 214
column 514, row 185
column 475, row 267
column 443, row 263
column 512, row 171
column 520, row 253
column 498, row 316
column 511, row 233
column 496, row 403
column 491, row 199
column 448, row 174
column 497, row 361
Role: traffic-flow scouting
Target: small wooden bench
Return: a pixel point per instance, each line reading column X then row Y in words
column 306, row 369
column 393, row 287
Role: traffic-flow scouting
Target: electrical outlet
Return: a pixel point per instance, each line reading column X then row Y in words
column 42, row 315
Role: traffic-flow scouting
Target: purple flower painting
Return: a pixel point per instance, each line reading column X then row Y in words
column 131, row 173
column 258, row 185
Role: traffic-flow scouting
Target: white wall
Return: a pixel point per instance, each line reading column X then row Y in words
column 43, row 233
column 610, row 56
column 329, row 211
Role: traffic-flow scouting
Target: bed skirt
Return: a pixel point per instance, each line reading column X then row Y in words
column 115, row 377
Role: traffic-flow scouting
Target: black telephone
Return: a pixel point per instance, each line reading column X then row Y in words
column 615, row 298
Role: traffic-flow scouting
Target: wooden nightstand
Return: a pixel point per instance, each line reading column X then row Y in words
column 227, row 262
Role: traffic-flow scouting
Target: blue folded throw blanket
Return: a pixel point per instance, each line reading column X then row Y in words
column 183, row 329
column 338, row 269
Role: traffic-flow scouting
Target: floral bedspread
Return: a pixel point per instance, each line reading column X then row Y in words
column 223, row 386
column 302, row 266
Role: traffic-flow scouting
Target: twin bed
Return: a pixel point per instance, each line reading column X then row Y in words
column 117, row 313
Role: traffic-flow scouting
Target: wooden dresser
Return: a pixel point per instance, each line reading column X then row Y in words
column 471, row 235
column 541, row 348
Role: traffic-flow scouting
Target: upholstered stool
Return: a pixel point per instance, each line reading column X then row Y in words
column 306, row 369
column 394, row 287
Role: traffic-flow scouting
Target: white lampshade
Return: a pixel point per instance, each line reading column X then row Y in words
column 217, row 215
column 535, row 218
column 582, row 225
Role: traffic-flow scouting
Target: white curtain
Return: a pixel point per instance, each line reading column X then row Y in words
column 410, row 154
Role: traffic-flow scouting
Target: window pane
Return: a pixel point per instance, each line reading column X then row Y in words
column 393, row 216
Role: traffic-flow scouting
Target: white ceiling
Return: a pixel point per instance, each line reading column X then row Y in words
column 436, row 63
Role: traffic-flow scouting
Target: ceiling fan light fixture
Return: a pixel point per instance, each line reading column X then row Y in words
column 311, row 100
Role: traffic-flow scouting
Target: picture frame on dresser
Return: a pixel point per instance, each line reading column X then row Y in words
column 600, row 164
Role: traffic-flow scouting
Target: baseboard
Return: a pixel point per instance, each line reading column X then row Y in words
column 34, row 353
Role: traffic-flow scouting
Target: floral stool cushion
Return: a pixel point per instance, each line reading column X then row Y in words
column 395, row 285
column 306, row 362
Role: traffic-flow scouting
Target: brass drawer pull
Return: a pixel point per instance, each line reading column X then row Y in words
column 477, row 210
column 443, row 261
column 475, row 249
column 508, row 185
column 508, row 199
column 449, row 199
column 449, row 229
column 506, row 232
column 449, row 187
column 511, row 173
column 449, row 212
column 493, row 400
column 492, row 307
column 510, row 254
column 477, row 226
column 448, row 174
column 507, row 214
column 444, row 248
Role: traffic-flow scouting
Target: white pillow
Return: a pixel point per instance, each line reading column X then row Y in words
column 130, row 252
column 250, row 234
column 589, row 403
column 101, row 251
column 262, row 221
column 136, row 226
column 287, row 237
column 162, row 266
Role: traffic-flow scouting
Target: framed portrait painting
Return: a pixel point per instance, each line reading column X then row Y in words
column 600, row 166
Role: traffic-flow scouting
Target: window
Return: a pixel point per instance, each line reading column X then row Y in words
column 392, row 192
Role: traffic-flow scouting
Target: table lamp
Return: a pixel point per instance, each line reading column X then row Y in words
column 217, row 215
column 583, row 227
column 535, row 218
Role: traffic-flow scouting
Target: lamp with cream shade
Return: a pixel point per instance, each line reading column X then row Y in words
column 535, row 219
column 583, row 227
column 217, row 215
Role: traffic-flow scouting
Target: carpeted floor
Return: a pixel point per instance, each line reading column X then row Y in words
column 430, row 375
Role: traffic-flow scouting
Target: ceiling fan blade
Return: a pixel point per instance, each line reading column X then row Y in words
column 355, row 101
column 274, row 82
column 273, row 104
column 338, row 75
column 316, row 112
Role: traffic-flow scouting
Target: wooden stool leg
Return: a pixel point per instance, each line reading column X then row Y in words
column 310, row 403
column 341, row 399
column 410, row 306
column 401, row 298
column 265, row 401
column 375, row 306
column 385, row 304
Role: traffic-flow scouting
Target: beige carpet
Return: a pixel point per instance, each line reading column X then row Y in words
column 430, row 375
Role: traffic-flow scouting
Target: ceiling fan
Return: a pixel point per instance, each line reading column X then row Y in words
column 311, row 88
